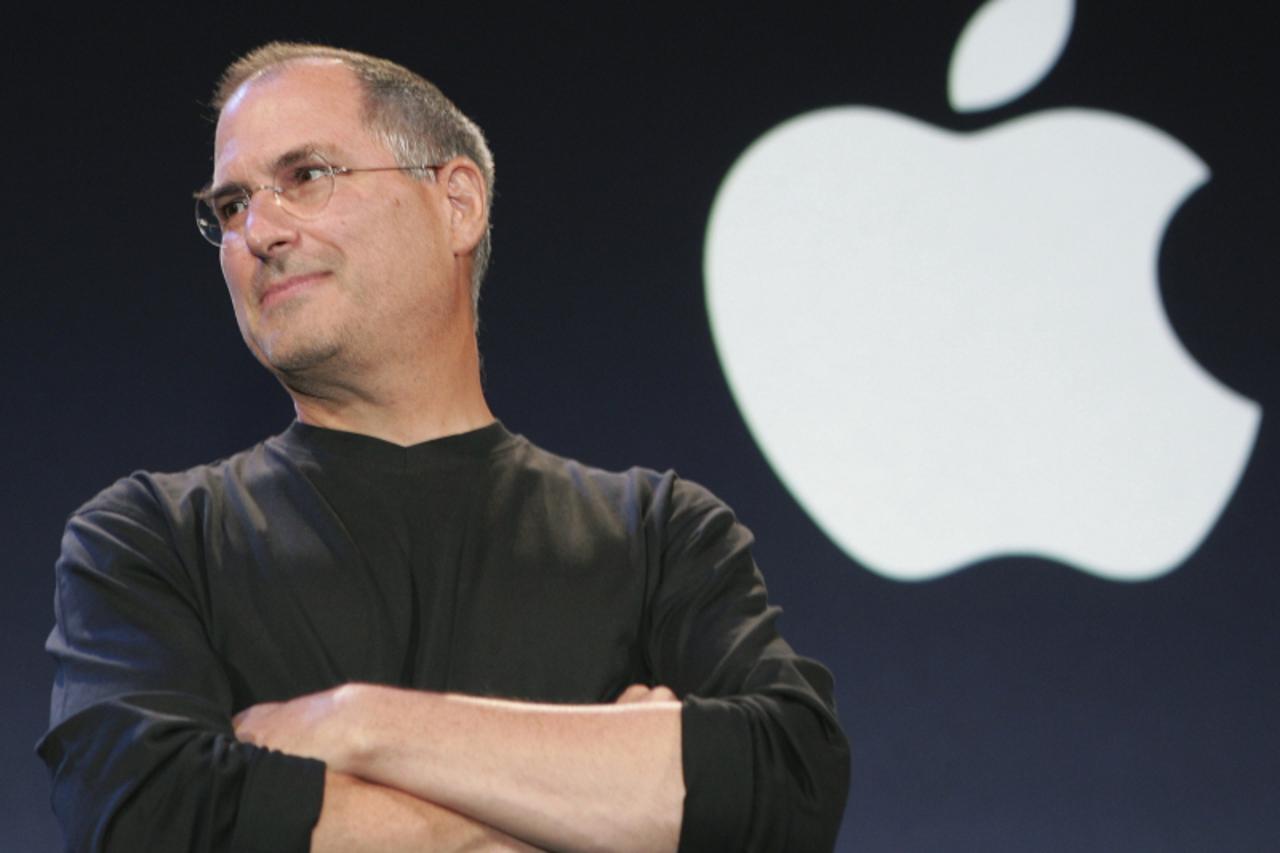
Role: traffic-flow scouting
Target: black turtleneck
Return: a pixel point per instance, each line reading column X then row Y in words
column 475, row 563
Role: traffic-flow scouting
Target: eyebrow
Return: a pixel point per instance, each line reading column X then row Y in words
column 288, row 158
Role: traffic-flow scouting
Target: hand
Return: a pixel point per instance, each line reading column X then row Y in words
column 641, row 693
column 312, row 726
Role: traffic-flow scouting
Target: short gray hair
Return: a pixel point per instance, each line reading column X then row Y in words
column 408, row 112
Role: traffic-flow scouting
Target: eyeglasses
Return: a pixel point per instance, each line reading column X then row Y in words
column 301, row 187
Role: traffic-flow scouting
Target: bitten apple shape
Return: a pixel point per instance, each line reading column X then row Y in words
column 952, row 347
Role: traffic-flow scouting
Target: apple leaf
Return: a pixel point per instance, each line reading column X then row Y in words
column 1007, row 47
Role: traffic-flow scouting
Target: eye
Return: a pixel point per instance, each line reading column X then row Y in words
column 228, row 207
column 306, row 173
column 306, row 184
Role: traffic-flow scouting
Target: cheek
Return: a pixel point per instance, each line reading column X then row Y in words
column 237, row 277
column 227, row 261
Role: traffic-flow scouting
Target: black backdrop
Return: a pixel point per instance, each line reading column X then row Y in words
column 1017, row 705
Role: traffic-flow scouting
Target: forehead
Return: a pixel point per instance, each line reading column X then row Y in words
column 309, row 102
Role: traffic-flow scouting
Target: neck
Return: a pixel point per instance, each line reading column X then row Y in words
column 407, row 402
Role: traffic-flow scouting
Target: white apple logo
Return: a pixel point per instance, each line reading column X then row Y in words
column 952, row 347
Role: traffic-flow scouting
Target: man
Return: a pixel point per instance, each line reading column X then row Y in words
column 397, row 625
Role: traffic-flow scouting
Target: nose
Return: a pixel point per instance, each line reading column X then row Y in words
column 268, row 228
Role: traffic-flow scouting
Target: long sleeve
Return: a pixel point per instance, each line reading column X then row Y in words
column 766, row 764
column 140, row 744
column 292, row 568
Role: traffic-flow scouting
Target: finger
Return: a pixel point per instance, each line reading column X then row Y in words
column 662, row 694
column 246, row 717
column 634, row 693
column 641, row 693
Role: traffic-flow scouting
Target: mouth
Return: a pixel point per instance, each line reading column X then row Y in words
column 282, row 289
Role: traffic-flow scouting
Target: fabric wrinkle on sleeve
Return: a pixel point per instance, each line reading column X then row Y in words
column 140, row 746
column 766, row 764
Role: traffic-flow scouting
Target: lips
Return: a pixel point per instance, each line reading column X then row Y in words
column 283, row 288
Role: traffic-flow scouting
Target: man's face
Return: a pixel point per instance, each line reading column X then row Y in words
column 368, row 276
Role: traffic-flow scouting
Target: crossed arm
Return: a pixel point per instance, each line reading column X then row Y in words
column 360, row 816
column 143, row 754
column 406, row 766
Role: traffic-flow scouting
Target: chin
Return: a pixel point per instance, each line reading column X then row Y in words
column 299, row 359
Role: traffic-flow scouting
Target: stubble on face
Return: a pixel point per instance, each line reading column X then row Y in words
column 293, row 332
column 288, row 344
column 385, row 290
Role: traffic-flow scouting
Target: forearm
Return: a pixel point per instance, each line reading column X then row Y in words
column 361, row 816
column 569, row 777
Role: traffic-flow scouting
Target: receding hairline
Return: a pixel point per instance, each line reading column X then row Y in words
column 417, row 121
column 272, row 72
column 275, row 58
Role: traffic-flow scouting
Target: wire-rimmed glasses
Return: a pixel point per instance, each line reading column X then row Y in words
column 302, row 187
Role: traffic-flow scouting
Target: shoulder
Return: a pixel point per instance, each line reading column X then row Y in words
column 663, row 502
column 152, row 529
column 166, row 498
column 637, row 483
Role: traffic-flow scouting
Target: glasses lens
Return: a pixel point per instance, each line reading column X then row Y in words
column 207, row 222
column 304, row 188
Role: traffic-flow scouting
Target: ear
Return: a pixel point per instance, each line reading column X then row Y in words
column 468, row 203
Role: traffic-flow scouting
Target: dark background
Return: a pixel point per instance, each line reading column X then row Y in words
column 1017, row 705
